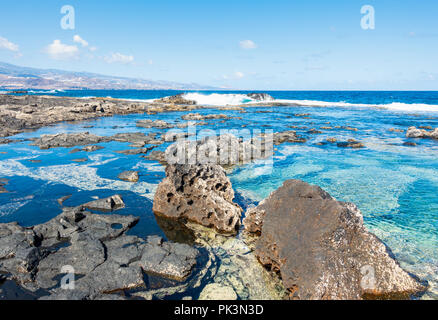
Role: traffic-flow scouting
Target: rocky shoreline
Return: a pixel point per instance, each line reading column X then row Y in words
column 299, row 243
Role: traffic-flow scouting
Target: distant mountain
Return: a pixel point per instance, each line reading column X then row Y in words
column 14, row 77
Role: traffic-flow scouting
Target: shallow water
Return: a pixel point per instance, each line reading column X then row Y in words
column 394, row 185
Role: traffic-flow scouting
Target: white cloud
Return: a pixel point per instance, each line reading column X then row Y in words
column 239, row 75
column 119, row 58
column 78, row 39
column 247, row 44
column 92, row 49
column 59, row 51
column 8, row 45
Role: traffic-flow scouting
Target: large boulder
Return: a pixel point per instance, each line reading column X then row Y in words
column 198, row 193
column 321, row 248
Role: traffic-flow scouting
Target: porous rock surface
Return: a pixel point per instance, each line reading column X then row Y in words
column 198, row 193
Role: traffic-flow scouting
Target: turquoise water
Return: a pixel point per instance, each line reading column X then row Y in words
column 394, row 185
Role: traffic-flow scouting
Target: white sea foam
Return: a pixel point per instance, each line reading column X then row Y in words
column 228, row 99
column 83, row 177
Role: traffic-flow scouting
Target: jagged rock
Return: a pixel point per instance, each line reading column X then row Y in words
column 260, row 96
column 321, row 248
column 106, row 205
column 198, row 193
column 130, row 176
column 172, row 260
column 177, row 99
column 226, row 150
column 215, row 291
column 413, row 132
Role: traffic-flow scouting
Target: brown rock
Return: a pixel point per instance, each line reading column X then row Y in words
column 321, row 248
column 198, row 193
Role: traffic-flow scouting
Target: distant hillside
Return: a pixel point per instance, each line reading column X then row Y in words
column 15, row 77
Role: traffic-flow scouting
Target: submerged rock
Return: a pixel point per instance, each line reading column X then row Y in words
column 198, row 193
column 171, row 260
column 321, row 248
column 130, row 176
column 215, row 291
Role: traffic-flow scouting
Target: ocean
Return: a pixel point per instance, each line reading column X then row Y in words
column 392, row 183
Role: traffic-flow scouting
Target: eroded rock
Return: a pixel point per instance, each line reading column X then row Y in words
column 321, row 248
column 198, row 193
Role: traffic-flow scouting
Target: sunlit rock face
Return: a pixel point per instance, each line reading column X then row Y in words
column 198, row 193
column 321, row 248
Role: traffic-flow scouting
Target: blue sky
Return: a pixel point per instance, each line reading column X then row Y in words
column 295, row 45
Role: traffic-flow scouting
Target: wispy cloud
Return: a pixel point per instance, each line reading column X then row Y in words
column 60, row 51
column 119, row 58
column 247, row 44
column 8, row 45
column 79, row 40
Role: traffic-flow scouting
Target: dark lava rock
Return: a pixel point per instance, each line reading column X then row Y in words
column 67, row 140
column 106, row 205
column 321, row 248
column 172, row 260
column 177, row 99
column 94, row 249
column 260, row 96
column 198, row 193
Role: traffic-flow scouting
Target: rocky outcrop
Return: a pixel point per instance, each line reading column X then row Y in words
column 198, row 193
column 68, row 140
column 92, row 248
column 413, row 132
column 321, row 248
column 130, row 176
column 226, row 150
column 177, row 99
column 260, row 96
column 65, row 140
